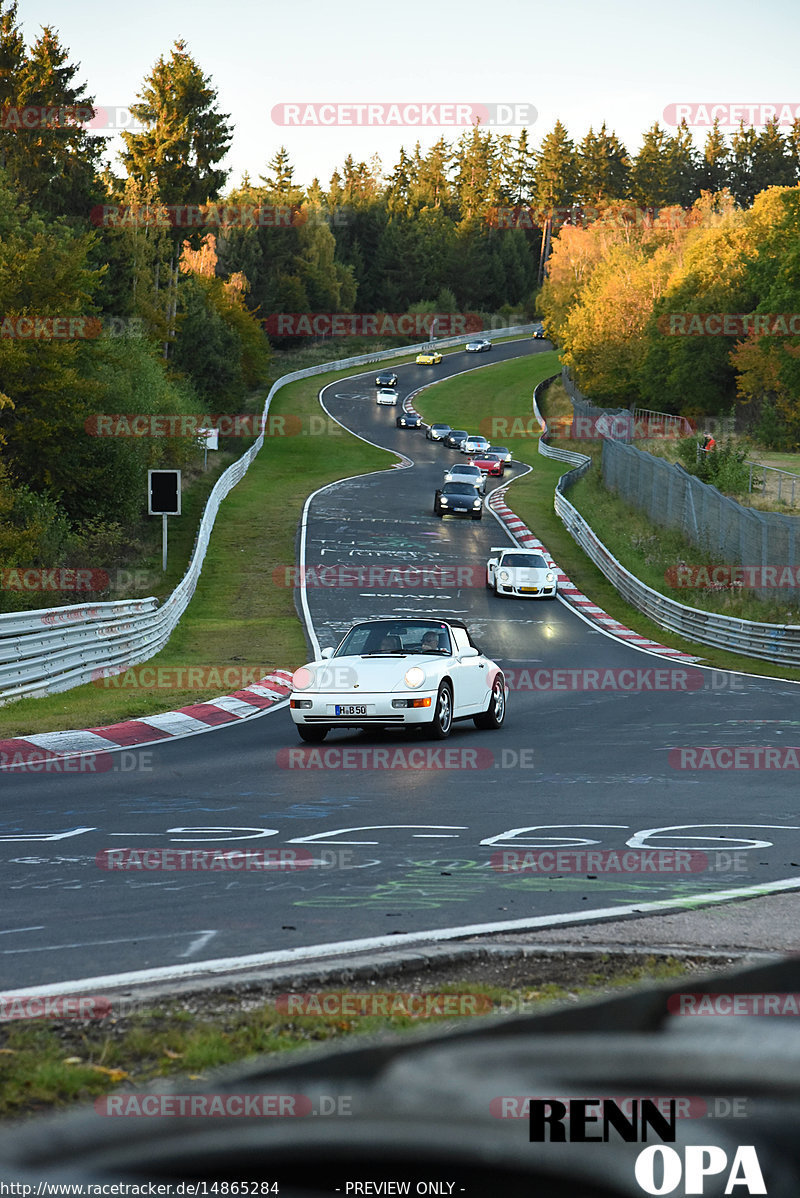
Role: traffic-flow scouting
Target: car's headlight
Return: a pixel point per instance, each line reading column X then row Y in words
column 302, row 678
column 476, row 503
column 503, row 576
column 549, row 576
column 414, row 677
column 443, row 501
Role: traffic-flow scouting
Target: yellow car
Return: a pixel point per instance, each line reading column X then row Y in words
column 430, row 357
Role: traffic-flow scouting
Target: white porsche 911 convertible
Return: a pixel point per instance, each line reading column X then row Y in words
column 399, row 673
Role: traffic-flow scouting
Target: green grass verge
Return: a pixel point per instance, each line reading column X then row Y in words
column 49, row 1065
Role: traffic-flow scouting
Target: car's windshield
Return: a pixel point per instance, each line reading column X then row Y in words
column 460, row 489
column 533, row 561
column 378, row 638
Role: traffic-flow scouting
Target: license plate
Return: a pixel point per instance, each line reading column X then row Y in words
column 529, row 590
column 350, row 709
column 459, row 509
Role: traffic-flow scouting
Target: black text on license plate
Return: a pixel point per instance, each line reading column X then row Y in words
column 351, row 709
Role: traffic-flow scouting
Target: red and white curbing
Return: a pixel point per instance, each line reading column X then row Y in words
column 570, row 592
column 37, row 750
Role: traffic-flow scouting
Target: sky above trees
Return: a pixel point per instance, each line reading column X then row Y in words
column 620, row 62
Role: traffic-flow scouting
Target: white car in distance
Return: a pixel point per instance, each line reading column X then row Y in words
column 386, row 396
column 521, row 573
column 463, row 472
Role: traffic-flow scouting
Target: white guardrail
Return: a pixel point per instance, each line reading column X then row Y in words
column 770, row 642
column 49, row 650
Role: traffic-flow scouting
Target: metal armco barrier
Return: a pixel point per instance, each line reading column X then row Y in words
column 50, row 650
column 770, row 642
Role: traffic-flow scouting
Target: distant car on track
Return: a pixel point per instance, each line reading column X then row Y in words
column 474, row 444
column 409, row 420
column 488, row 463
column 465, row 473
column 386, row 378
column 385, row 396
column 538, row 334
column 458, row 499
column 501, row 451
column 478, row 347
column 456, row 437
column 522, row 573
column 438, row 432
column 429, row 357
column 421, row 673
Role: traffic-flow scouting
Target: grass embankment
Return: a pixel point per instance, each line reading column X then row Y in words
column 499, row 400
column 48, row 1065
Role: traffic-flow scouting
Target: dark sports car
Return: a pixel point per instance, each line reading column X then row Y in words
column 409, row 420
column 458, row 499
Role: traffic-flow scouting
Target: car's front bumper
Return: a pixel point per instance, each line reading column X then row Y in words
column 527, row 591
column 378, row 709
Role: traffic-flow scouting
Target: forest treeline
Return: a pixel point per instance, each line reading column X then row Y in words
column 695, row 313
column 143, row 286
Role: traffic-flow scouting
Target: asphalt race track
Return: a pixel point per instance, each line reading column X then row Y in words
column 397, row 849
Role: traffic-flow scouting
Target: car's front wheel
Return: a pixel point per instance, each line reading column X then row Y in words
column 443, row 715
column 312, row 734
column 496, row 711
column 477, row 515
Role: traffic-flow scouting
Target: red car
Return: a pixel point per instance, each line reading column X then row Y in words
column 488, row 463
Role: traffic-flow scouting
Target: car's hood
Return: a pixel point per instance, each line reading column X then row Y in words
column 360, row 675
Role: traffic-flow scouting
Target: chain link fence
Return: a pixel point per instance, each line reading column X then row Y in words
column 719, row 526
column 587, row 416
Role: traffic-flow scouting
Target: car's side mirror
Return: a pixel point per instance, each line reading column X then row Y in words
column 470, row 651
column 326, row 653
